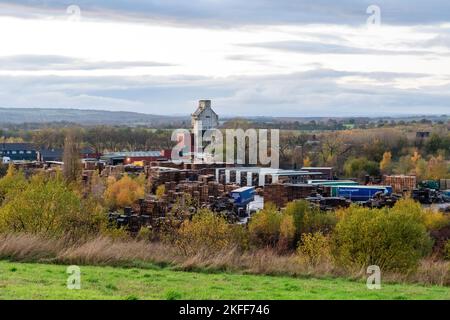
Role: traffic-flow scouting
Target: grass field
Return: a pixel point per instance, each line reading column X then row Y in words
column 41, row 281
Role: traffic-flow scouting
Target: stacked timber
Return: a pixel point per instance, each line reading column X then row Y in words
column 444, row 184
column 280, row 194
column 400, row 183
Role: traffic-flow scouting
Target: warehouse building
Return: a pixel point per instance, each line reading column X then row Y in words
column 117, row 158
column 259, row 176
column 46, row 155
column 18, row 151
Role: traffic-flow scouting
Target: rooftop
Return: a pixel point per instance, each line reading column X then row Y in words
column 133, row 154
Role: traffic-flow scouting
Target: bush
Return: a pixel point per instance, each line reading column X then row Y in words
column 447, row 250
column 264, row 227
column 50, row 208
column 160, row 191
column 394, row 239
column 144, row 234
column 14, row 181
column 270, row 227
column 359, row 167
column 435, row 220
column 287, row 232
column 309, row 220
column 207, row 230
column 314, row 248
column 3, row 170
column 124, row 192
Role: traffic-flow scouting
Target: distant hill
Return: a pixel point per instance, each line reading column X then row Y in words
column 18, row 116
column 84, row 117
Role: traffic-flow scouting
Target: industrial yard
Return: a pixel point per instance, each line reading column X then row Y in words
column 83, row 203
column 224, row 150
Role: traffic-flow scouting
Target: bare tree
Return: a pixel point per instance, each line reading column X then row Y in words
column 71, row 158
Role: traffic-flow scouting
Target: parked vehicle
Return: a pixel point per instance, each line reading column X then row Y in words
column 427, row 196
column 360, row 193
column 243, row 196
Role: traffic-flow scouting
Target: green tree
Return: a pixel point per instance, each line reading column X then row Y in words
column 13, row 182
column 359, row 167
column 47, row 206
column 393, row 239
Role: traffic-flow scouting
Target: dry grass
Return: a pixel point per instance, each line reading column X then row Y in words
column 28, row 248
column 105, row 251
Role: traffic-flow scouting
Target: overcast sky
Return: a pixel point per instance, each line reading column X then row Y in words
column 266, row 57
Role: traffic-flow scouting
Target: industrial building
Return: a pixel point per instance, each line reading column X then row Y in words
column 116, row 158
column 260, row 176
column 18, row 151
column 328, row 172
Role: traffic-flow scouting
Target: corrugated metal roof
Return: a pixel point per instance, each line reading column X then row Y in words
column 134, row 154
column 16, row 146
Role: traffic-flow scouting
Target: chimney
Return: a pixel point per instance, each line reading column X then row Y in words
column 203, row 104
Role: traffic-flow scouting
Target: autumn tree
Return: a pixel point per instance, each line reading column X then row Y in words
column 437, row 168
column 47, row 206
column 307, row 162
column 386, row 163
column 13, row 182
column 124, row 192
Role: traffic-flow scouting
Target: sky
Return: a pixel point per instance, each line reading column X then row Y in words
column 251, row 58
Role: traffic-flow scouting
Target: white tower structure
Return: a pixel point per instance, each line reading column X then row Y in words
column 204, row 118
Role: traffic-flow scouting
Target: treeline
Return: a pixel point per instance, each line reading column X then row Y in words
column 330, row 124
column 355, row 153
column 100, row 138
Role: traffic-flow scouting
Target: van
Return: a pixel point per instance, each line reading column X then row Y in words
column 6, row 160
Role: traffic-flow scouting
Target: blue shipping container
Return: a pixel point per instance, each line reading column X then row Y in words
column 243, row 196
column 361, row 193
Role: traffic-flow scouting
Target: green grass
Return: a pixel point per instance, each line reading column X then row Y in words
column 41, row 281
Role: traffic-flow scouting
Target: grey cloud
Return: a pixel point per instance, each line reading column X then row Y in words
column 314, row 93
column 246, row 57
column 314, row 47
column 236, row 12
column 55, row 62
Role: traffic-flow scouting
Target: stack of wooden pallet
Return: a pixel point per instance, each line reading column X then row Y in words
column 444, row 184
column 400, row 183
column 280, row 194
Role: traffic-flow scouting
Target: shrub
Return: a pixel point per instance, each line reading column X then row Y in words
column 394, row 239
column 434, row 220
column 144, row 234
column 264, row 227
column 447, row 250
column 14, row 181
column 207, row 230
column 314, row 248
column 160, row 191
column 287, row 232
column 359, row 167
column 50, row 208
column 123, row 193
column 309, row 220
column 3, row 170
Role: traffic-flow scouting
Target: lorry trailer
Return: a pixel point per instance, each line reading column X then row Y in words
column 360, row 193
column 243, row 196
